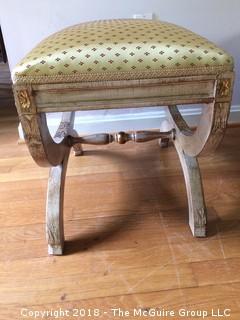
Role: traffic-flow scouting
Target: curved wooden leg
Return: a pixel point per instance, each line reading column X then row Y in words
column 47, row 151
column 55, row 193
column 190, row 144
column 54, row 208
column 193, row 182
column 196, row 203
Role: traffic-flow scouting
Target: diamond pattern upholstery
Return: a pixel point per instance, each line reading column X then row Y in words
column 120, row 49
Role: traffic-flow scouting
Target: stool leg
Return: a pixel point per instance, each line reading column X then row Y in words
column 77, row 148
column 196, row 203
column 193, row 182
column 54, row 208
column 164, row 142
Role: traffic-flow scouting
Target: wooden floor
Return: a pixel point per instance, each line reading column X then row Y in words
column 128, row 244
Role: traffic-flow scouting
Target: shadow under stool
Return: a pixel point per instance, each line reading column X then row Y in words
column 122, row 64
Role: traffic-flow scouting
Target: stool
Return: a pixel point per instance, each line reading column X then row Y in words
column 122, row 64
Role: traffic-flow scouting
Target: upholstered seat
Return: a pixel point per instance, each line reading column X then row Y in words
column 118, row 50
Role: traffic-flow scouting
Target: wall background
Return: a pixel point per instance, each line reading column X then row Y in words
column 26, row 22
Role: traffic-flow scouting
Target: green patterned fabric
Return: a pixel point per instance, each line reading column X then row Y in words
column 120, row 49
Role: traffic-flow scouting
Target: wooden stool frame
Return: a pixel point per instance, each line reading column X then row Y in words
column 34, row 101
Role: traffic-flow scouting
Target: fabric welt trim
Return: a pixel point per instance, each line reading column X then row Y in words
column 124, row 75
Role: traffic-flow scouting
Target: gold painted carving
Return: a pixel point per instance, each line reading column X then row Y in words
column 221, row 117
column 224, row 88
column 24, row 100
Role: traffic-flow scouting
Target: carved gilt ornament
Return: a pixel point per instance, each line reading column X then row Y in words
column 24, row 100
column 224, row 87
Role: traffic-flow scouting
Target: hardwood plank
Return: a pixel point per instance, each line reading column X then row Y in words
column 204, row 298
column 217, row 271
column 27, row 287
